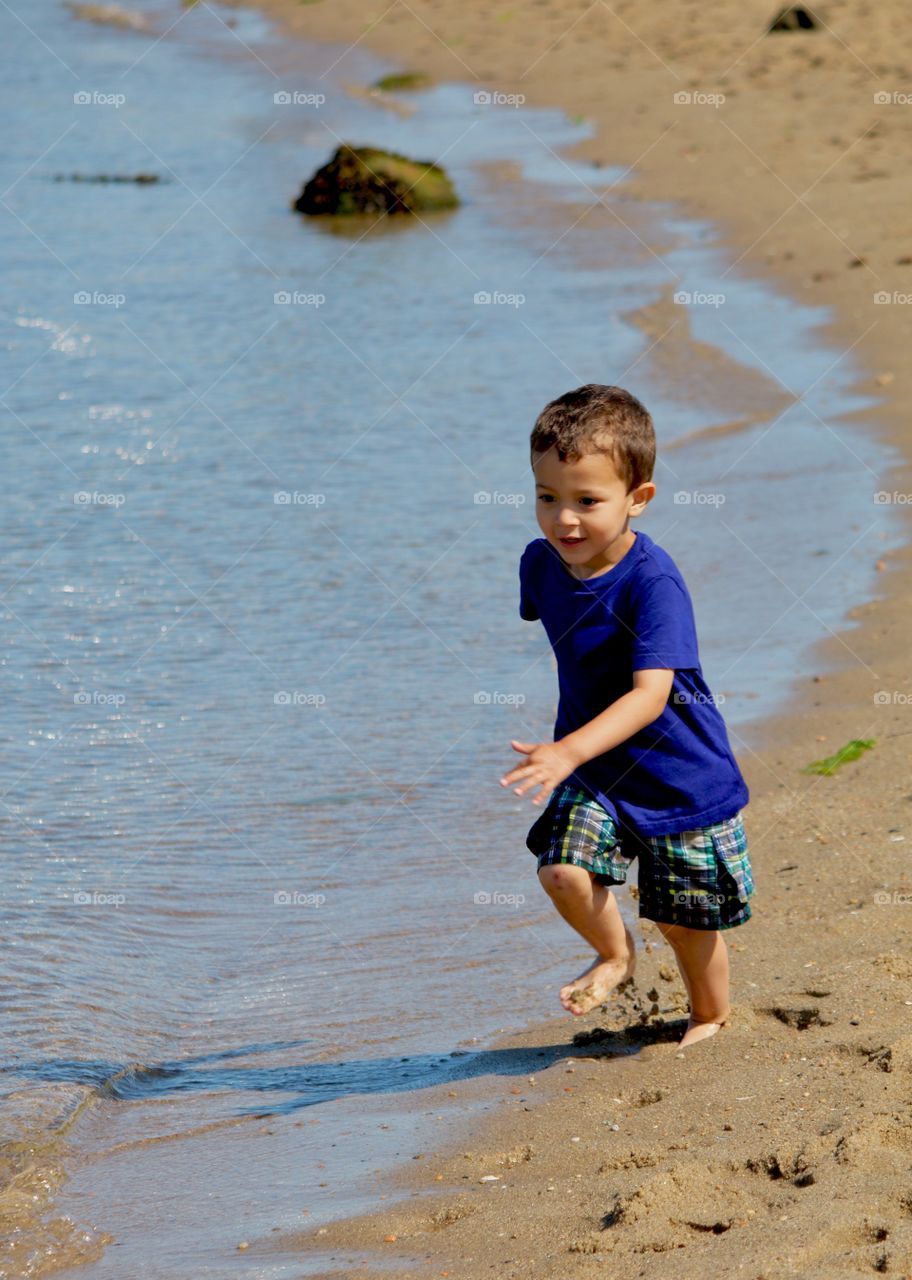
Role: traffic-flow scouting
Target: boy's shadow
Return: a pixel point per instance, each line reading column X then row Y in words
column 310, row 1083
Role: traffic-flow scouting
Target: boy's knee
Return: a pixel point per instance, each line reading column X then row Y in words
column 564, row 879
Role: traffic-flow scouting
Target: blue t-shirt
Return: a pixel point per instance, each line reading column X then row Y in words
column 679, row 772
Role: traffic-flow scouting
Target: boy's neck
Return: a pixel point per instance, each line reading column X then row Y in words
column 581, row 572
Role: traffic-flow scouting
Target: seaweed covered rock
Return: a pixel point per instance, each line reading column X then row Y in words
column 368, row 180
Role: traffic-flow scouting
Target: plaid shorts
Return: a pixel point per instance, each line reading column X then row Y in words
column 700, row 879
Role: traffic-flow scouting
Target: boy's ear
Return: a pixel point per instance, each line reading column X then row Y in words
column 642, row 495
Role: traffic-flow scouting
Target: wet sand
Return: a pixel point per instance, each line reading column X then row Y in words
column 781, row 1145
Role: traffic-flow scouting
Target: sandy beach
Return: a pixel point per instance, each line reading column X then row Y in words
column 782, row 1145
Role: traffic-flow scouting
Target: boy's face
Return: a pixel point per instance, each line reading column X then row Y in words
column 583, row 509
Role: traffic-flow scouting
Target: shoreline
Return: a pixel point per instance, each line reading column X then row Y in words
column 738, row 220
column 818, row 1045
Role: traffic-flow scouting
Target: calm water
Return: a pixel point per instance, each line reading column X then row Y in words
column 261, row 650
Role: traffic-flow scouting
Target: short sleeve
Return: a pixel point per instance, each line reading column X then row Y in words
column 527, row 609
column 665, row 633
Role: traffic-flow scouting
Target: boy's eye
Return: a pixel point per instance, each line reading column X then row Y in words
column 546, row 497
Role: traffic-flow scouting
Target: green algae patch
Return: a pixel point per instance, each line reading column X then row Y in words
column 400, row 80
column 851, row 751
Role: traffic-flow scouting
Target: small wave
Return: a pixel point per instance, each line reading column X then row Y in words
column 136, row 1081
column 32, row 1152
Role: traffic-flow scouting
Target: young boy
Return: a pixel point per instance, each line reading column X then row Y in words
column 640, row 766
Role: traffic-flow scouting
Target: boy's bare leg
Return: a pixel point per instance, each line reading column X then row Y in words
column 702, row 958
column 591, row 909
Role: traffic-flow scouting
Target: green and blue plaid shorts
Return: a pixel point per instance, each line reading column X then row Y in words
column 700, row 879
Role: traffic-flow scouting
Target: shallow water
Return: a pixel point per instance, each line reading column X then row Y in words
column 262, row 651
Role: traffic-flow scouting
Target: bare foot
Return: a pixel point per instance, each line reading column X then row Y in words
column 595, row 984
column 699, row 1031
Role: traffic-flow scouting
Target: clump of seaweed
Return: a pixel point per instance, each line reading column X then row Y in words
column 399, row 80
column 851, row 751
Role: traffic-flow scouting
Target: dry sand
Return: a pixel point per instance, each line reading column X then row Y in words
column 782, row 1145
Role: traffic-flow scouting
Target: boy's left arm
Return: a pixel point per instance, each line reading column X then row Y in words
column 549, row 763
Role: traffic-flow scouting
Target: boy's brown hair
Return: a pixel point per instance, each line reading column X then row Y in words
column 599, row 419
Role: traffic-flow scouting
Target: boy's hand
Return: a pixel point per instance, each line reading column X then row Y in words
column 547, row 763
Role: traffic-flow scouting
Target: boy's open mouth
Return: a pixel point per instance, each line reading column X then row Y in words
column 571, row 542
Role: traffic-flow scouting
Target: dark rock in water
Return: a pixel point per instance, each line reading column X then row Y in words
column 367, row 180
column 142, row 178
column 794, row 18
